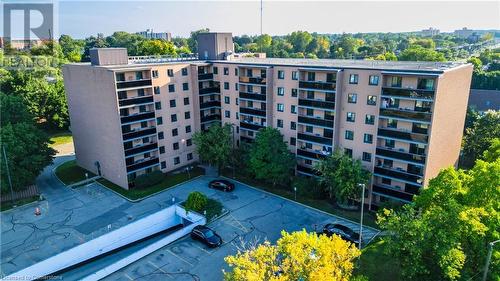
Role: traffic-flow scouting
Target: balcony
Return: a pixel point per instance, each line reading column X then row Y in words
column 315, row 139
column 210, row 90
column 141, row 149
column 401, row 195
column 398, row 175
column 306, row 170
column 405, row 136
column 139, row 134
column 136, row 101
column 253, row 111
column 137, row 117
column 143, row 164
column 315, row 121
column 253, row 80
column 410, row 115
column 317, row 85
column 310, row 154
column 400, row 155
column 208, row 118
column 317, row 104
column 205, row 76
column 251, row 126
column 413, row 94
column 208, row 104
column 133, row 84
column 252, row 96
column 246, row 139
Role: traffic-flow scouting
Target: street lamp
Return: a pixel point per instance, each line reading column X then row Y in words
column 295, row 191
column 362, row 185
column 488, row 258
column 233, row 164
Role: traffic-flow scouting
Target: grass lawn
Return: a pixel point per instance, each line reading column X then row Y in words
column 169, row 181
column 60, row 138
column 377, row 265
column 70, row 173
column 9, row 205
column 324, row 205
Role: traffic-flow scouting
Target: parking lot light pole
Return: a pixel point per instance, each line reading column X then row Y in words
column 295, row 191
column 362, row 185
column 488, row 259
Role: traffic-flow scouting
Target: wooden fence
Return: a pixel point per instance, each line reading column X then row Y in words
column 31, row 191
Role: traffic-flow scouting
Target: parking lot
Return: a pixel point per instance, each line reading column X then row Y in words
column 254, row 217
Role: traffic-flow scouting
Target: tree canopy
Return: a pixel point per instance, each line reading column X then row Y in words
column 479, row 137
column 214, row 145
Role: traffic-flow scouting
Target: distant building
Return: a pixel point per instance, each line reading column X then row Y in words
column 484, row 100
column 149, row 34
column 20, row 44
column 463, row 33
column 430, row 32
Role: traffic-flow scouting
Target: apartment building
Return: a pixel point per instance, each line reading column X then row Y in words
column 404, row 120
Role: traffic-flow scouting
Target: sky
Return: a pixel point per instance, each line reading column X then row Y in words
column 81, row 19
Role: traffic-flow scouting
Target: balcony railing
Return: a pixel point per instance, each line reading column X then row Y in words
column 253, row 80
column 317, row 85
column 316, row 139
column 306, row 170
column 315, row 121
column 210, row 90
column 401, row 175
column 317, row 104
column 257, row 97
column 143, row 164
column 399, row 135
column 209, row 104
column 206, row 76
column 399, row 155
column 407, row 197
column 135, row 101
column 133, row 84
column 408, row 93
column 250, row 126
column 310, row 154
column 138, row 134
column 141, row 149
column 209, row 118
column 253, row 111
column 137, row 117
column 406, row 114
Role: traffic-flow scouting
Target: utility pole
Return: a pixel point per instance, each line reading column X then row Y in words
column 488, row 259
column 362, row 185
column 8, row 174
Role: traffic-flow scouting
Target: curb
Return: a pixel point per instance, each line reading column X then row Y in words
column 302, row 204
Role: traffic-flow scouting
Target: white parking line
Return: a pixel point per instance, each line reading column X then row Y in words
column 179, row 257
column 157, row 267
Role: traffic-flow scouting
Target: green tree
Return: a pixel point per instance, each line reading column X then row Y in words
column 193, row 39
column 296, row 256
column 156, row 47
column 196, row 201
column 476, row 62
column 264, row 42
column 300, row 40
column 493, row 152
column 214, row 145
column 444, row 234
column 479, row 137
column 346, row 46
column 342, row 175
column 26, row 146
column 71, row 48
column 269, row 158
column 122, row 39
column 419, row 53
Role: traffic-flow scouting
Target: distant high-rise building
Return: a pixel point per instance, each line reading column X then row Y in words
column 430, row 32
column 463, row 33
column 149, row 34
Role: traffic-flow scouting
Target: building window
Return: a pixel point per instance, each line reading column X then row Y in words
column 173, row 103
column 227, row 100
column 138, row 75
column 392, row 123
column 171, row 88
column 353, row 79
column 159, row 120
column 370, row 119
column 309, row 129
column 348, row 152
column 236, row 72
column 162, row 149
column 294, row 93
column 173, row 117
column 309, row 112
column 186, row 101
column 177, row 160
column 237, row 101
column 371, row 100
column 157, row 105
column 368, row 138
column 311, row 76
column 293, row 109
column 140, row 92
column 367, row 157
column 293, row 141
column 176, row 146
column 160, row 135
column 281, row 74
column 187, row 115
column 293, row 125
column 295, row 75
column 226, row 85
column 122, row 95
column 281, row 91
column 189, row 156
column 170, row 72
column 156, row 90
column 396, row 81
column 155, row 73
column 280, row 107
column 120, row 77
column 227, row 114
column 236, row 87
column 226, row 71
column 351, row 117
column 216, row 70
column 425, row 84
column 280, row 123
column 163, row 165
column 386, row 181
column 184, row 71
column 188, row 129
column 189, row 142
column 237, row 116
column 349, row 135
column 373, row 80
column 175, row 132
column 352, row 98
column 390, row 143
column 185, row 86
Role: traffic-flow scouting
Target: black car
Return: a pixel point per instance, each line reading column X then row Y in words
column 343, row 231
column 206, row 235
column 223, row 185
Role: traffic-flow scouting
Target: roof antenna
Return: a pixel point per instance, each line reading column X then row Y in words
column 261, row 17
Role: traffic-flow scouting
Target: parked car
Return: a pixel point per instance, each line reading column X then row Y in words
column 206, row 235
column 223, row 185
column 343, row 231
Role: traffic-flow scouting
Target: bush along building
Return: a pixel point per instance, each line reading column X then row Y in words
column 135, row 115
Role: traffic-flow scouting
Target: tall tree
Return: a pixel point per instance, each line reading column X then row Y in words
column 156, row 47
column 193, row 39
column 296, row 256
column 214, row 145
column 300, row 40
column 71, row 48
column 264, row 42
column 342, row 175
column 419, row 53
column 269, row 157
column 479, row 137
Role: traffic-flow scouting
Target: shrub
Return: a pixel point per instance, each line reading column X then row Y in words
column 196, row 201
column 213, row 208
column 309, row 187
column 149, row 179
